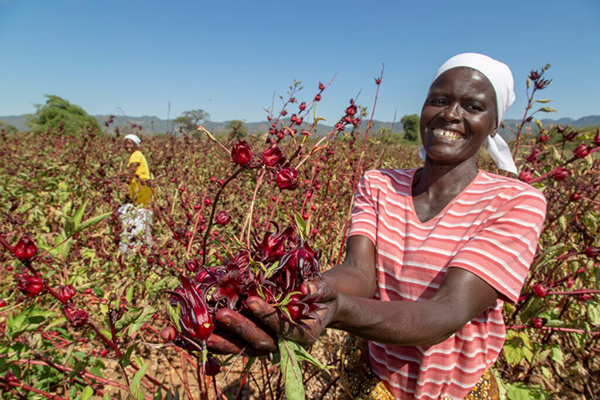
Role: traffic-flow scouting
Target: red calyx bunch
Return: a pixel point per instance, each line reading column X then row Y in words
column 241, row 153
column 195, row 321
column 25, row 248
column 274, row 268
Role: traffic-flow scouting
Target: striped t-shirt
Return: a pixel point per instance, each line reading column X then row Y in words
column 490, row 229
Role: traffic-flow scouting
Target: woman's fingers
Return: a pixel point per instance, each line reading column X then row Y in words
column 319, row 291
column 220, row 343
column 257, row 338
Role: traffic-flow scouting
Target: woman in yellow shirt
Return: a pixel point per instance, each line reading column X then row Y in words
column 139, row 190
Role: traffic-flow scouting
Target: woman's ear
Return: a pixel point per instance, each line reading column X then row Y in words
column 493, row 132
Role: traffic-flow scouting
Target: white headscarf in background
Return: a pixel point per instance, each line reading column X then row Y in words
column 502, row 81
column 135, row 139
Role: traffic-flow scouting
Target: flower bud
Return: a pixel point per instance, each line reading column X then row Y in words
column 168, row 334
column 539, row 322
column 223, row 218
column 191, row 265
column 30, row 285
column 211, row 366
column 592, row 251
column 540, row 289
column 273, row 156
column 526, row 175
column 241, row 153
column 560, row 173
column 584, row 297
column 25, row 248
column 66, row 293
column 582, row 150
column 75, row 316
column 321, row 86
column 287, row 179
column 318, row 97
column 597, row 137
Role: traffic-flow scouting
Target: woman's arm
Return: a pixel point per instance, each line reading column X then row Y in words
column 461, row 297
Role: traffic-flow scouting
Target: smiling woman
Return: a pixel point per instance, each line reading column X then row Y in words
column 433, row 253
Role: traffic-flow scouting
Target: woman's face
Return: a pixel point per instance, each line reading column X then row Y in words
column 129, row 146
column 458, row 115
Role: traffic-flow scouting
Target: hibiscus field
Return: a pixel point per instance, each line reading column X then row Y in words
column 254, row 216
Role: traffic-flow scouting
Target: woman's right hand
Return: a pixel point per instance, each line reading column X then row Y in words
column 257, row 335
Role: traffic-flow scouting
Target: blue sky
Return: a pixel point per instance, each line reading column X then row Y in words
column 231, row 58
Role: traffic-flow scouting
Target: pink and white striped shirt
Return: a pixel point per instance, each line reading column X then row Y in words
column 490, row 229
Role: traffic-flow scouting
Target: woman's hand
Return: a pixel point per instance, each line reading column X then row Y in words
column 258, row 335
column 236, row 333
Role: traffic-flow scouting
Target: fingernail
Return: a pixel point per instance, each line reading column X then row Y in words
column 252, row 305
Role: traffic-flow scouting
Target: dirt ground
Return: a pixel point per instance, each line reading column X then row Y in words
column 176, row 370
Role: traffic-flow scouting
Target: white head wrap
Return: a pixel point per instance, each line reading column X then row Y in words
column 135, row 139
column 502, row 81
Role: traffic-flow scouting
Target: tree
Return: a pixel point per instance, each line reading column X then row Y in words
column 237, row 129
column 60, row 116
column 190, row 120
column 8, row 128
column 410, row 124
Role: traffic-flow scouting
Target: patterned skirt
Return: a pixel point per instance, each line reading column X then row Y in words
column 360, row 383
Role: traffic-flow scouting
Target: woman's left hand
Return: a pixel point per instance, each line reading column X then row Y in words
column 305, row 331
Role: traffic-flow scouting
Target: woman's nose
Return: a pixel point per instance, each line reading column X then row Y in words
column 451, row 112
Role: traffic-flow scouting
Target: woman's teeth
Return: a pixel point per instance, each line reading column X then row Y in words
column 446, row 134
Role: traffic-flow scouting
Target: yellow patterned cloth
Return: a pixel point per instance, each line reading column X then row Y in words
column 360, row 383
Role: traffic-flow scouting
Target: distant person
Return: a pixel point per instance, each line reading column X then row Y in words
column 135, row 215
column 139, row 188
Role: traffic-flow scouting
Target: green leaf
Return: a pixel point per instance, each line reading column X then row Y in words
column 544, row 101
column 129, row 295
column 92, row 221
column 174, row 314
column 79, row 214
column 106, row 333
column 301, row 225
column 520, row 391
column 135, row 382
column 86, row 393
column 304, row 355
column 290, row 368
column 556, row 354
column 593, row 310
column 146, row 316
column 128, row 318
column 547, row 109
column 55, row 322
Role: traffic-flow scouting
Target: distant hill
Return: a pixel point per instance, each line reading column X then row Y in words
column 155, row 125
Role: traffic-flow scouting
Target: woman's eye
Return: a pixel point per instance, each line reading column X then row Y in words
column 473, row 107
column 438, row 102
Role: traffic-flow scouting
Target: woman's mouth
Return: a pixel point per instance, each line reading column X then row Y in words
column 446, row 134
